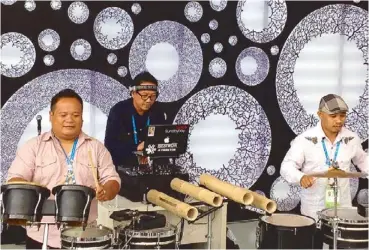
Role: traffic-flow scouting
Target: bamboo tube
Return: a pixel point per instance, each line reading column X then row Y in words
column 175, row 206
column 235, row 193
column 264, row 203
column 196, row 192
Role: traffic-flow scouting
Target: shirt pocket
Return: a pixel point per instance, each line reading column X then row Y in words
column 85, row 173
column 46, row 170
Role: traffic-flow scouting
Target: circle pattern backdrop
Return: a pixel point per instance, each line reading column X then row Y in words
column 189, row 52
column 327, row 20
column 95, row 88
column 254, row 136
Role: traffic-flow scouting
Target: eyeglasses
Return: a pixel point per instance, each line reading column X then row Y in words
column 145, row 97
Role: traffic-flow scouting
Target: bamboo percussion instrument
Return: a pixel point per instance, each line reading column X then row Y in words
column 264, row 203
column 175, row 206
column 196, row 192
column 235, row 193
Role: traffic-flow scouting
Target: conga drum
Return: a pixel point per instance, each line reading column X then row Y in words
column 22, row 202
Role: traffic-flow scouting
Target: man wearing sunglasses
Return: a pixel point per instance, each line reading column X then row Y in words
column 128, row 120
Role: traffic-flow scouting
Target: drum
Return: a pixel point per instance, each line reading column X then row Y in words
column 72, row 203
column 285, row 231
column 158, row 238
column 22, row 202
column 98, row 237
column 352, row 227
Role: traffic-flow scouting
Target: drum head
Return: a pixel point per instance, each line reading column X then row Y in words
column 89, row 234
column 345, row 214
column 288, row 220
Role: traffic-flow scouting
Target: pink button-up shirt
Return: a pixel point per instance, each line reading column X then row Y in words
column 42, row 160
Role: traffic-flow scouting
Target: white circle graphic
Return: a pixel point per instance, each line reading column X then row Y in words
column 122, row 71
column 258, row 25
column 189, row 52
column 56, row 4
column 233, row 40
column 246, row 148
column 322, row 23
column 271, row 170
column 8, row 2
column 218, row 47
column 205, row 38
column 78, row 12
column 193, row 11
column 162, row 61
column 113, row 28
column 252, row 66
column 218, row 5
column 30, row 5
column 213, row 24
column 286, row 195
column 49, row 60
column 49, row 40
column 136, row 8
column 18, row 55
column 97, row 89
column 217, row 67
column 80, row 50
column 112, row 58
column 274, row 50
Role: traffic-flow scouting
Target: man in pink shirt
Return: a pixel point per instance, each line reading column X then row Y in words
column 60, row 156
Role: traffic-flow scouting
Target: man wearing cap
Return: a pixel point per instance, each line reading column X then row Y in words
column 128, row 120
column 328, row 144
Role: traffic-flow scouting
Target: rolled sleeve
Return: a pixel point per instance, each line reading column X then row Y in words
column 292, row 162
column 106, row 166
column 24, row 163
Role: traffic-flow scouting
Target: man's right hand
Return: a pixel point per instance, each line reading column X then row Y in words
column 140, row 146
column 307, row 181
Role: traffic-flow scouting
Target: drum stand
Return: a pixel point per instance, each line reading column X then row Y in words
column 335, row 219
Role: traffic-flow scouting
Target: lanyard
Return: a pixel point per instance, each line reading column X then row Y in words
column 70, row 175
column 135, row 129
column 328, row 162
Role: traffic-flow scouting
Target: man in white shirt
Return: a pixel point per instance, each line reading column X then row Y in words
column 319, row 148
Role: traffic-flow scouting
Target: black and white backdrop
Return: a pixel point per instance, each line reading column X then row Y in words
column 247, row 75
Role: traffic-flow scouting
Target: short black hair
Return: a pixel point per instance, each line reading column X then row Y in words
column 144, row 77
column 65, row 93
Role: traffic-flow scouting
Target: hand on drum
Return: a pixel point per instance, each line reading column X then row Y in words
column 307, row 181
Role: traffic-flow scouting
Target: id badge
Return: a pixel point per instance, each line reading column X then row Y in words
column 329, row 197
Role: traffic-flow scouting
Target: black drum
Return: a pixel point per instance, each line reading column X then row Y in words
column 285, row 231
column 158, row 238
column 94, row 237
column 352, row 228
column 22, row 202
column 72, row 203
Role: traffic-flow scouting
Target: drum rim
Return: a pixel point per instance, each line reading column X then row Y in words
column 88, row 239
column 262, row 218
column 170, row 231
column 325, row 217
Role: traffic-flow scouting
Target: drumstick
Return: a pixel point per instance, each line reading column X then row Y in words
column 93, row 169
